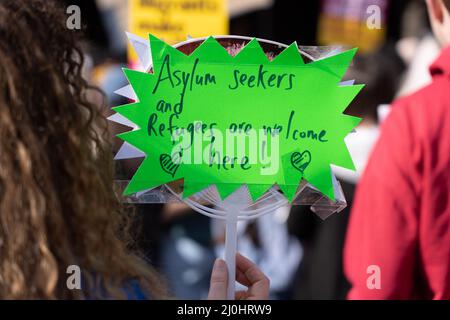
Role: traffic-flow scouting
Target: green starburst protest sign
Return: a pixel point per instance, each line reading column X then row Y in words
column 212, row 119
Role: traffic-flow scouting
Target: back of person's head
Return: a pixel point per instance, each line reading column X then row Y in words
column 439, row 13
column 380, row 71
column 57, row 204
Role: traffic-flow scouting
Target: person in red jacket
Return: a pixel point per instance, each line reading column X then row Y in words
column 398, row 241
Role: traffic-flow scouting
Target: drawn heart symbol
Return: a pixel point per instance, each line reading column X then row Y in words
column 301, row 160
column 167, row 164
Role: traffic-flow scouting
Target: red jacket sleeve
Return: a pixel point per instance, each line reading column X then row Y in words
column 383, row 228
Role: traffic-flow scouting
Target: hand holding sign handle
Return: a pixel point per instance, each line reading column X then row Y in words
column 247, row 274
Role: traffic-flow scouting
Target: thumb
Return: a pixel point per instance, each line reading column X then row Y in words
column 219, row 281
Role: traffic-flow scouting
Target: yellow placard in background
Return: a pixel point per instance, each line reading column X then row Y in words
column 355, row 23
column 174, row 20
column 337, row 30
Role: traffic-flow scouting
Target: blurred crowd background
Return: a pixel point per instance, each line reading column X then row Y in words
column 300, row 253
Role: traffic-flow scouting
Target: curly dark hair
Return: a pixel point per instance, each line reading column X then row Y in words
column 57, row 203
